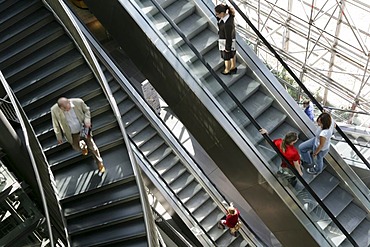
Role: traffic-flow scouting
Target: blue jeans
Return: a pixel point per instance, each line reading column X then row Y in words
column 306, row 149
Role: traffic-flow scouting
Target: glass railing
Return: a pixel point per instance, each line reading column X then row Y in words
column 301, row 86
column 240, row 118
column 164, row 130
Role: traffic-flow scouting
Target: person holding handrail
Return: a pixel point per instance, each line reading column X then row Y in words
column 226, row 32
column 288, row 150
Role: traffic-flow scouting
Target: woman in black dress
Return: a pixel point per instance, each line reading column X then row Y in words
column 226, row 33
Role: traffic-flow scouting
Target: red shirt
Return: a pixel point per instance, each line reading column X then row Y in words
column 291, row 152
column 232, row 219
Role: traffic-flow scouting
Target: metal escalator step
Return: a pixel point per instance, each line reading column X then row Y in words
column 205, row 209
column 138, row 126
column 115, row 193
column 323, row 184
column 144, row 135
column 131, row 230
column 211, row 221
column 119, row 213
column 213, row 58
column 189, row 190
column 197, row 200
column 25, row 27
column 351, row 217
column 17, row 12
column 130, row 113
column 153, row 144
column 66, row 157
column 82, row 176
column 181, row 182
column 30, row 44
column 191, row 26
column 40, row 116
column 244, row 92
column 270, row 120
column 173, row 172
column 163, row 161
column 337, row 200
column 39, row 58
column 54, row 89
column 5, row 4
column 360, row 235
column 178, row 11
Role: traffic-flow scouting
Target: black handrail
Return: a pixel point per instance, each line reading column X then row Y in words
column 308, row 93
column 253, row 121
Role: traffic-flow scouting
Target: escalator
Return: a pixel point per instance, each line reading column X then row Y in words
column 168, row 166
column 220, row 125
column 41, row 63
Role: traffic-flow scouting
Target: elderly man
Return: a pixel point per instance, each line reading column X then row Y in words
column 71, row 118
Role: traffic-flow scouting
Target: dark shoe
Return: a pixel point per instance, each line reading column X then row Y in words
column 234, row 70
column 220, row 225
column 226, row 73
column 311, row 171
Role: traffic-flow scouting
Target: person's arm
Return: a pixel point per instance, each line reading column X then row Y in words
column 228, row 33
column 318, row 149
column 86, row 110
column 297, row 166
column 56, row 127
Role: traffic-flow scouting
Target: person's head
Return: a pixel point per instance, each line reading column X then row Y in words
column 306, row 102
column 221, row 10
column 324, row 120
column 231, row 210
column 64, row 104
column 289, row 139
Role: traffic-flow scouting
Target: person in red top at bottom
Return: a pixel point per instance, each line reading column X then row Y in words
column 286, row 147
column 230, row 220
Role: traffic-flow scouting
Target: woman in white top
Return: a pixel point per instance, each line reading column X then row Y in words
column 314, row 150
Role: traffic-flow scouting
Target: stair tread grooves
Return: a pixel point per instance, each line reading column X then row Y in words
column 15, row 9
column 110, row 234
column 52, row 67
column 82, row 177
column 43, row 91
column 351, row 217
column 198, row 199
column 24, row 24
column 135, row 125
column 204, row 210
column 181, row 182
column 189, row 190
column 152, row 144
column 101, row 198
column 66, row 154
column 46, row 51
column 173, row 172
column 163, row 161
column 112, row 214
column 324, row 183
column 100, row 121
column 337, row 200
column 175, row 11
column 144, row 135
column 28, row 42
column 270, row 119
column 43, row 112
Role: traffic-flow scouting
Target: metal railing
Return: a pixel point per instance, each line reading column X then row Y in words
column 63, row 13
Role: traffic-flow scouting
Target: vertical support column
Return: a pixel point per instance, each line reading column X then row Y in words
column 333, row 50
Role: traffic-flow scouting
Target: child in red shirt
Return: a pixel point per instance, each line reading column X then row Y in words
column 230, row 220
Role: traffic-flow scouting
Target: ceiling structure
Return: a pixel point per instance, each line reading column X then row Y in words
column 326, row 43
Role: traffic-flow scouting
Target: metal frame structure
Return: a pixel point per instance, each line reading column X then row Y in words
column 326, row 43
